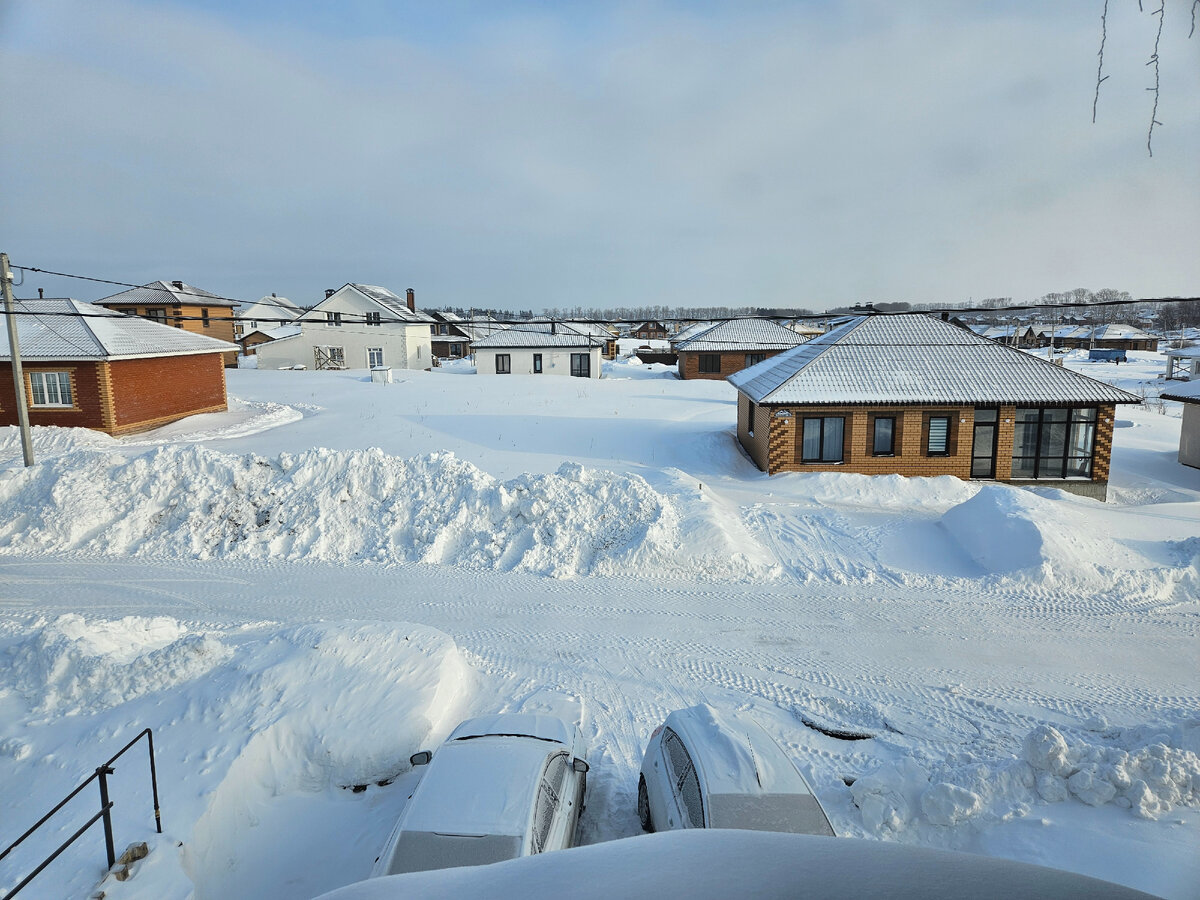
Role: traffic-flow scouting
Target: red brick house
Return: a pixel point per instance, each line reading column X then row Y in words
column 649, row 331
column 88, row 367
column 913, row 395
column 726, row 347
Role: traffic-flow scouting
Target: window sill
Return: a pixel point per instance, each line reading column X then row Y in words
column 883, row 455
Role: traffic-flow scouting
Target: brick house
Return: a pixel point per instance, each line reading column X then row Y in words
column 88, row 367
column 649, row 331
column 181, row 305
column 912, row 395
column 726, row 347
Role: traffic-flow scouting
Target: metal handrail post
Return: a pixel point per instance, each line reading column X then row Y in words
column 154, row 780
column 103, row 772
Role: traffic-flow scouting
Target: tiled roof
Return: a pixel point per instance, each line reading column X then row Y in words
column 690, row 331
column 71, row 329
column 537, row 334
column 166, row 293
column 741, row 334
column 393, row 304
column 915, row 359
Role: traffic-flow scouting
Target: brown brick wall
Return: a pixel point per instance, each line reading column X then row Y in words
column 88, row 408
column 911, row 436
column 754, row 423
column 689, row 364
column 151, row 392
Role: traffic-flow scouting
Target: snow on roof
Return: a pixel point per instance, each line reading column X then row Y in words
column 479, row 786
column 171, row 293
column 915, row 359
column 1186, row 392
column 690, row 331
column 537, row 334
column 269, row 308
column 277, row 333
column 1183, row 352
column 99, row 333
column 742, row 334
column 391, row 302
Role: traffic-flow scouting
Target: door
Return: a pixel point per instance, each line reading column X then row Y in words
column 983, row 446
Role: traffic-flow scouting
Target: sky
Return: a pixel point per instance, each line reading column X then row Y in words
column 552, row 155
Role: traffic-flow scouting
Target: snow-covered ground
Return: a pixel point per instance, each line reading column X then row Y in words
column 298, row 594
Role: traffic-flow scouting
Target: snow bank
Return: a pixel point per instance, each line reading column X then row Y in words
column 352, row 505
column 69, row 666
column 50, row 440
column 1147, row 769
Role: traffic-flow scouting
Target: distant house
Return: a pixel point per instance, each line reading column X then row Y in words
column 649, row 331
column 255, row 338
column 726, row 347
column 357, row 326
column 1183, row 363
column 606, row 334
column 266, row 314
column 447, row 337
column 533, row 348
column 1100, row 337
column 1189, row 430
column 89, row 367
column 912, row 395
column 180, row 305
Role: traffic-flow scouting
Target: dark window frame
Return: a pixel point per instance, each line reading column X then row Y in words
column 1075, row 416
column 945, row 451
column 753, row 359
column 503, row 363
column 891, row 449
column 705, row 364
column 821, row 458
column 537, row 364
column 581, row 365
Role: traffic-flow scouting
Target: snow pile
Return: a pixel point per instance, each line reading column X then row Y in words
column 50, row 440
column 1147, row 769
column 352, row 505
column 68, row 667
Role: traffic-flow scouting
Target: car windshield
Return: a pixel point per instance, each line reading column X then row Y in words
column 420, row 851
column 794, row 813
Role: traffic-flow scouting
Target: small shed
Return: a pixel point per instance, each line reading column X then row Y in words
column 1189, row 430
column 90, row 367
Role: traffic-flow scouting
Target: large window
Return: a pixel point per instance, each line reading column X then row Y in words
column 883, row 442
column 51, row 388
column 157, row 314
column 710, row 363
column 938, row 440
column 581, row 365
column 1053, row 442
column 503, row 364
column 374, row 357
column 822, row 439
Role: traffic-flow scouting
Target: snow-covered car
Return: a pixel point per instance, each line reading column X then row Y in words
column 706, row 769
column 500, row 787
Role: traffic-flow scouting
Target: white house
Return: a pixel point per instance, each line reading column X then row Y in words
column 265, row 314
column 539, row 348
column 358, row 326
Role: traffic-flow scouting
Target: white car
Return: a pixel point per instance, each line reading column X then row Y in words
column 500, row 787
column 705, row 769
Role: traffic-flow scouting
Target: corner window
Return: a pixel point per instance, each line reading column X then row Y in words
column 822, row 439
column 710, row 363
column 883, row 442
column 503, row 363
column 537, row 364
column 51, row 388
column 1053, row 442
column 581, row 365
column 938, row 441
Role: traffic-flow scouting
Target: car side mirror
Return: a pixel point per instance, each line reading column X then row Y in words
column 579, row 765
column 421, row 759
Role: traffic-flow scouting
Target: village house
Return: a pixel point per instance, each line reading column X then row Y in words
column 85, row 366
column 447, row 337
column 256, row 337
column 180, row 305
column 1183, row 363
column 266, row 314
column 649, row 331
column 912, row 395
column 1189, row 430
column 539, row 348
column 727, row 347
column 357, row 326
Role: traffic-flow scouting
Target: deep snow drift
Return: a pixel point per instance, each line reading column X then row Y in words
column 952, row 664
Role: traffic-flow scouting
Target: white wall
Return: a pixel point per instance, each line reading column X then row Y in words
column 404, row 346
column 555, row 361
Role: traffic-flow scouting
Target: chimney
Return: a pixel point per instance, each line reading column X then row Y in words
column 553, row 327
column 272, row 293
column 945, row 317
column 329, row 292
column 412, row 300
column 178, row 285
column 41, row 293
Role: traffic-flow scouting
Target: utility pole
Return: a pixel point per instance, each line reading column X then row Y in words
column 14, row 349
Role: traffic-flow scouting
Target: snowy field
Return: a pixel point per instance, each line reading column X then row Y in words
column 298, row 594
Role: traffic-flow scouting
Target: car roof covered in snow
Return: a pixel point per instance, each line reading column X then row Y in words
column 546, row 728
column 734, row 754
column 479, row 785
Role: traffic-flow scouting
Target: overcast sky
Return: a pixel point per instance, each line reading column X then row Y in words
column 534, row 155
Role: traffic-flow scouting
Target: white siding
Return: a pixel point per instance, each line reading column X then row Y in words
column 404, row 346
column 555, row 361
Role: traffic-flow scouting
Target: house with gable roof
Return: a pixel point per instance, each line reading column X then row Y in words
column 539, row 348
column 357, row 326
column 264, row 315
column 913, row 395
column 181, row 305
column 86, row 366
column 730, row 346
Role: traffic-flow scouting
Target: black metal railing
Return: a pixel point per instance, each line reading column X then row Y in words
column 104, row 815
